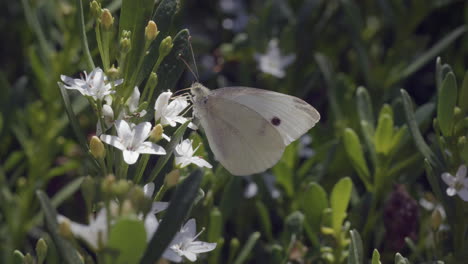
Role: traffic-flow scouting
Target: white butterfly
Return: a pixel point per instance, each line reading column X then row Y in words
column 247, row 128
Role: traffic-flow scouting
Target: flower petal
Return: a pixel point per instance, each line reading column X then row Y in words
column 124, row 132
column 448, row 178
column 461, row 173
column 169, row 254
column 150, row 148
column 113, row 140
column 200, row 247
column 463, row 194
column 141, row 133
column 161, row 104
column 130, row 157
column 451, row 191
column 148, row 189
column 201, row 162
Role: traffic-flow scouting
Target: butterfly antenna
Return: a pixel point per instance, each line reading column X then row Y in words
column 193, row 56
column 188, row 66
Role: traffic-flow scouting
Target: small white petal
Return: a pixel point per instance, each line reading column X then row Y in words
column 169, row 254
column 463, row 194
column 124, row 131
column 201, row 162
column 157, row 207
column 451, row 191
column 190, row 256
column 141, row 133
column 113, row 140
column 148, row 189
column 448, row 178
column 130, row 157
column 461, row 173
column 150, row 148
column 200, row 247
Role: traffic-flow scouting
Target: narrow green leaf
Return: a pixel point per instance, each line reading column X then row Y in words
column 384, row 134
column 446, row 104
column 463, row 96
column 312, row 202
column 415, row 133
column 162, row 160
column 174, row 218
column 134, row 16
column 376, row 257
column 432, row 52
column 364, row 106
column 368, row 132
column 265, row 219
column 127, row 238
column 163, row 17
column 355, row 154
column 84, row 39
column 68, row 254
column 245, row 252
column 339, row 200
column 355, row 248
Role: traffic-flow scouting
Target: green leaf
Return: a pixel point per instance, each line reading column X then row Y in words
column 376, row 257
column 415, row 133
column 364, row 106
column 163, row 18
column 312, row 202
column 67, row 252
column 265, row 219
column 339, row 200
column 355, row 248
column 215, row 228
column 384, row 134
column 246, row 250
column 162, row 160
column 83, row 38
column 432, row 52
column 463, row 96
column 127, row 238
column 399, row 259
column 355, row 154
column 179, row 206
column 134, row 16
column 446, row 104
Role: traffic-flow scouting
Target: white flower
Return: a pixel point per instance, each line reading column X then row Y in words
column 184, row 155
column 169, row 113
column 272, row 62
column 93, row 85
column 131, row 140
column 185, row 245
column 107, row 115
column 94, row 232
column 458, row 184
column 131, row 107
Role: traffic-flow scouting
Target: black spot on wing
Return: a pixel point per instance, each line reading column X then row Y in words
column 275, row 121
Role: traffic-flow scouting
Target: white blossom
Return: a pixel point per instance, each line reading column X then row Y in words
column 457, row 184
column 94, row 85
column 168, row 113
column 131, row 107
column 184, row 155
column 272, row 62
column 185, row 244
column 131, row 140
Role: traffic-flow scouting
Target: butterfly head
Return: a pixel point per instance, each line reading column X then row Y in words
column 198, row 90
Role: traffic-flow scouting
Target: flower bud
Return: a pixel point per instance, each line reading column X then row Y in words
column 127, row 208
column 28, row 259
column 95, row 8
column 436, row 219
column 120, row 188
column 157, row 133
column 151, row 31
column 108, row 114
column 96, row 148
column 113, row 73
column 125, row 42
column 18, row 257
column 106, row 19
column 172, row 178
column 165, row 47
column 65, row 229
column 41, row 250
column 107, row 183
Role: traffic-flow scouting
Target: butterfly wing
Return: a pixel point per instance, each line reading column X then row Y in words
column 289, row 115
column 240, row 138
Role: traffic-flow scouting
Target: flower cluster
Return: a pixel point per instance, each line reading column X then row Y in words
column 184, row 244
column 131, row 138
column 134, row 136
